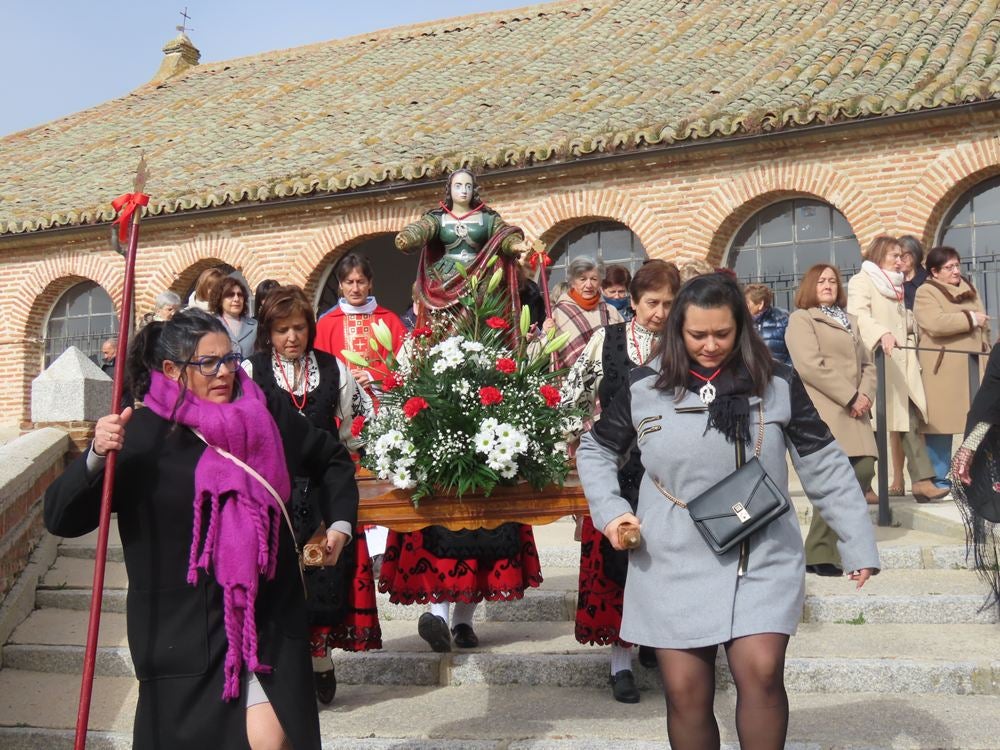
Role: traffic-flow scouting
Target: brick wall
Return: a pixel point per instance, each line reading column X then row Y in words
column 27, row 467
column 896, row 176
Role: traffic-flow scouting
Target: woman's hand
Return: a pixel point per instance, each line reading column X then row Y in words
column 520, row 248
column 861, row 576
column 888, row 342
column 611, row 530
column 861, row 406
column 362, row 377
column 335, row 543
column 980, row 318
column 109, row 433
column 960, row 465
column 547, row 325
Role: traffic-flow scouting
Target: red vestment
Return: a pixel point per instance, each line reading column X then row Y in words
column 338, row 330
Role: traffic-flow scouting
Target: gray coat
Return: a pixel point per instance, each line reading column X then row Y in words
column 680, row 594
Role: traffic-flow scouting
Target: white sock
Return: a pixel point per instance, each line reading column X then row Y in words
column 621, row 658
column 322, row 663
column 463, row 613
column 376, row 537
column 441, row 610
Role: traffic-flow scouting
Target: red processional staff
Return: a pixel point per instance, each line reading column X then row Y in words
column 129, row 208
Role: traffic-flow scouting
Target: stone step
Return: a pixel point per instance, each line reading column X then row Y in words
column 37, row 712
column 821, row 658
column 900, row 596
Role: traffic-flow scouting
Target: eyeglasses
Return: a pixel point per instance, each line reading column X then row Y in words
column 234, row 293
column 951, row 266
column 210, row 366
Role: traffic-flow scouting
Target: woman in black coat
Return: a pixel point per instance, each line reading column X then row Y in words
column 208, row 678
column 341, row 603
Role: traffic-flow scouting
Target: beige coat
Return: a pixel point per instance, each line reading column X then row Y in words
column 943, row 321
column 834, row 366
column 878, row 315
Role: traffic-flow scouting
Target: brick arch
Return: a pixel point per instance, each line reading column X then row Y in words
column 944, row 181
column 562, row 212
column 183, row 265
column 713, row 226
column 346, row 232
column 51, row 278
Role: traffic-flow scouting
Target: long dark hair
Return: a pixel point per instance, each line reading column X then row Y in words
column 711, row 291
column 175, row 340
column 474, row 201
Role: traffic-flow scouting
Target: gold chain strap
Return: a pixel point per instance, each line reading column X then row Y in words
column 756, row 453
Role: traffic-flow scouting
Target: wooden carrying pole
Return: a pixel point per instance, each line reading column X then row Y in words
column 130, row 206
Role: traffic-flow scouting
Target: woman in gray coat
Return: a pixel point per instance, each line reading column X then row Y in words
column 715, row 384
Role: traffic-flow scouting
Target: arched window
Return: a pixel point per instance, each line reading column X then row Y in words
column 84, row 317
column 782, row 241
column 972, row 226
column 394, row 273
column 607, row 242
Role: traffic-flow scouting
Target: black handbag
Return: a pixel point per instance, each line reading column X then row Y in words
column 738, row 506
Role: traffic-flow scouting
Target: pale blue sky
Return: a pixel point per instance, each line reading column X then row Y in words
column 61, row 56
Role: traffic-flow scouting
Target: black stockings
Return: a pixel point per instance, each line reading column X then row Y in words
column 757, row 663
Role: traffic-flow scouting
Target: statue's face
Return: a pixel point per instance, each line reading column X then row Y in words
column 461, row 189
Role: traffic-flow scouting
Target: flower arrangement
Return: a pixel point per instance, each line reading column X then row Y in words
column 469, row 402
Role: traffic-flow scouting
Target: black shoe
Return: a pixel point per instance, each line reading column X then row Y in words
column 326, row 686
column 824, row 569
column 434, row 630
column 647, row 657
column 464, row 636
column 623, row 687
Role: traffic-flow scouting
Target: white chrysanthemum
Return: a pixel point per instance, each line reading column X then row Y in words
column 489, row 424
column 473, row 346
column 509, row 471
column 401, row 478
column 484, row 442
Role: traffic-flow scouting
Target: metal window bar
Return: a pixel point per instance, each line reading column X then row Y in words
column 88, row 343
column 882, row 434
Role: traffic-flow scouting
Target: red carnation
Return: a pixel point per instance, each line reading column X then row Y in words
column 551, row 395
column 488, row 395
column 497, row 322
column 390, row 381
column 506, row 365
column 421, row 332
column 414, row 406
column 357, row 425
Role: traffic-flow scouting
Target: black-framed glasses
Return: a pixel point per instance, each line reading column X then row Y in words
column 210, row 366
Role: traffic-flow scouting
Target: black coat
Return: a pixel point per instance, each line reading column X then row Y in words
column 176, row 631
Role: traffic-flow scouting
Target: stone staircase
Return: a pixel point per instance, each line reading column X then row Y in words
column 911, row 661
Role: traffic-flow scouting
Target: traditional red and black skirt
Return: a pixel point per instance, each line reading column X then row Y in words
column 599, row 604
column 434, row 565
column 359, row 630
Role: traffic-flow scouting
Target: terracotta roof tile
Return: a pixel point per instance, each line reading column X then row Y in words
column 545, row 83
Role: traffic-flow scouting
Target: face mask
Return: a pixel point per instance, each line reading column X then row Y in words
column 620, row 304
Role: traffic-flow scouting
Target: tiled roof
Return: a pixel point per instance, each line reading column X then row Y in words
column 544, row 83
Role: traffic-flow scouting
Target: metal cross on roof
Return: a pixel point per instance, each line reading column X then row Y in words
column 183, row 28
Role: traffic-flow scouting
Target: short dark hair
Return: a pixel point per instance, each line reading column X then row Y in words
column 353, row 262
column 173, row 340
column 654, row 274
column 283, row 302
column 709, row 291
column 261, row 292
column 220, row 290
column 806, row 295
column 759, row 293
column 616, row 276
column 939, row 256
column 206, row 282
column 912, row 246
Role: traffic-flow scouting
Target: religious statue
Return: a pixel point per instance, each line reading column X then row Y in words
column 462, row 230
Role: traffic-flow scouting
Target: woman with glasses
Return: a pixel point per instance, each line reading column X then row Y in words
column 341, row 602
column 230, row 303
column 614, row 290
column 950, row 315
column 216, row 611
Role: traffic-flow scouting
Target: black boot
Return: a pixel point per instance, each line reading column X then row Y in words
column 326, row 686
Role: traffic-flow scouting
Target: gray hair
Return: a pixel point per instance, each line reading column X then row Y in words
column 579, row 266
column 166, row 298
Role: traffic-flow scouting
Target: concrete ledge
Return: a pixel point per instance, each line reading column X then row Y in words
column 20, row 600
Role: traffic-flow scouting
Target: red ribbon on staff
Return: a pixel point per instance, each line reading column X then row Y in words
column 127, row 204
column 533, row 260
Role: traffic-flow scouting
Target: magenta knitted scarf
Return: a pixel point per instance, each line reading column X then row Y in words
column 240, row 543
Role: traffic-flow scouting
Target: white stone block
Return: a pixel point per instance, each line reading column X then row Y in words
column 72, row 389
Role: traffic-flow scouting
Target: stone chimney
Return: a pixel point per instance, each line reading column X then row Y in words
column 179, row 55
